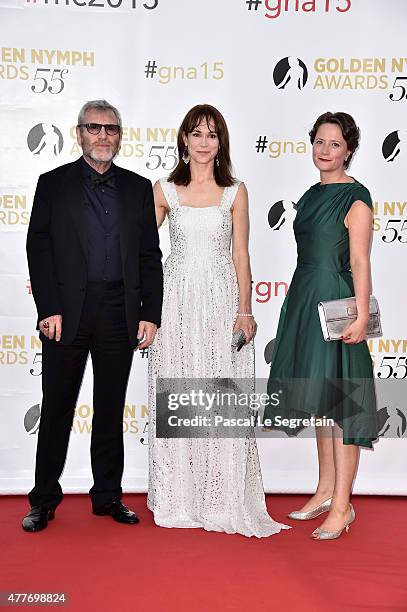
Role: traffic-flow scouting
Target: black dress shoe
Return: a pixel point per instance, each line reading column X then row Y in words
column 37, row 518
column 118, row 512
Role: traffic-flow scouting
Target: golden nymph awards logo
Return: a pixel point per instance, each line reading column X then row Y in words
column 19, row 350
column 390, row 219
column 356, row 73
column 13, row 210
column 341, row 73
column 48, row 69
column 389, row 356
column 135, row 420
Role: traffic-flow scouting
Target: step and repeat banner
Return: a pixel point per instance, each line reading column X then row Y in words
column 271, row 67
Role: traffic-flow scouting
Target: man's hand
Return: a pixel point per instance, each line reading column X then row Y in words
column 148, row 331
column 51, row 327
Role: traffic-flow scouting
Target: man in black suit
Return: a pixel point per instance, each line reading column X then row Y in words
column 96, row 277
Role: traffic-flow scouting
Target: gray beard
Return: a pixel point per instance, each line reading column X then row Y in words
column 99, row 160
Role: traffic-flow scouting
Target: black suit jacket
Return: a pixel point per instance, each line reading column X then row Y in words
column 57, row 248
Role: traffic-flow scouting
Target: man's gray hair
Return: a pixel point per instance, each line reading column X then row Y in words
column 98, row 105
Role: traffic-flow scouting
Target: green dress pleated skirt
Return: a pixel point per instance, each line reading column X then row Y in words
column 309, row 375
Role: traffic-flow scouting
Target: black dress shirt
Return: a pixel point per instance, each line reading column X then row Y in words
column 102, row 224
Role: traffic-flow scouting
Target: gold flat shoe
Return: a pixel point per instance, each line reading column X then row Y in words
column 306, row 516
column 321, row 534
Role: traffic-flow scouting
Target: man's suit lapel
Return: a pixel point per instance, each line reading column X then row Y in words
column 73, row 194
column 125, row 199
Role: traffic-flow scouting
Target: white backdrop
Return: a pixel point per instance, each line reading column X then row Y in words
column 154, row 60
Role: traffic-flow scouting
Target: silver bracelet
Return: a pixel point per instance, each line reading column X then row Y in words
column 244, row 314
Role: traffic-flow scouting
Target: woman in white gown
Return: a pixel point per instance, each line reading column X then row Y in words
column 212, row 483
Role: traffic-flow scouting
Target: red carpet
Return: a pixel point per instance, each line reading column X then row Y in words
column 103, row 565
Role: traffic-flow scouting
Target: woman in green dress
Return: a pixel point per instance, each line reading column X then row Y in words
column 333, row 231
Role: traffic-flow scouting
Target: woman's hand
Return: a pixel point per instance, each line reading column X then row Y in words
column 356, row 332
column 248, row 325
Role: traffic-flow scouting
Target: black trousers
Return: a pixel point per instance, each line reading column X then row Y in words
column 103, row 333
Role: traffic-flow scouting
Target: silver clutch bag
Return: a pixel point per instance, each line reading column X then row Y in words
column 337, row 315
column 238, row 339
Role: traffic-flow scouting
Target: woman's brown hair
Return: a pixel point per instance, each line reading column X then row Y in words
column 181, row 175
column 348, row 127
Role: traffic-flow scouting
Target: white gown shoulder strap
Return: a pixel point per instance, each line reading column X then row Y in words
column 229, row 195
column 170, row 193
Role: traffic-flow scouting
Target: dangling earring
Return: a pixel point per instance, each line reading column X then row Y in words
column 217, row 158
column 185, row 155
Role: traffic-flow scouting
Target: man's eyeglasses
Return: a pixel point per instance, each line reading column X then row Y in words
column 111, row 129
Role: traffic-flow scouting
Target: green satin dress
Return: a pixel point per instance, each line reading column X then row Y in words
column 311, row 376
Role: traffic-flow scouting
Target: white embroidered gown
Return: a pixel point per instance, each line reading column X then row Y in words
column 214, row 484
